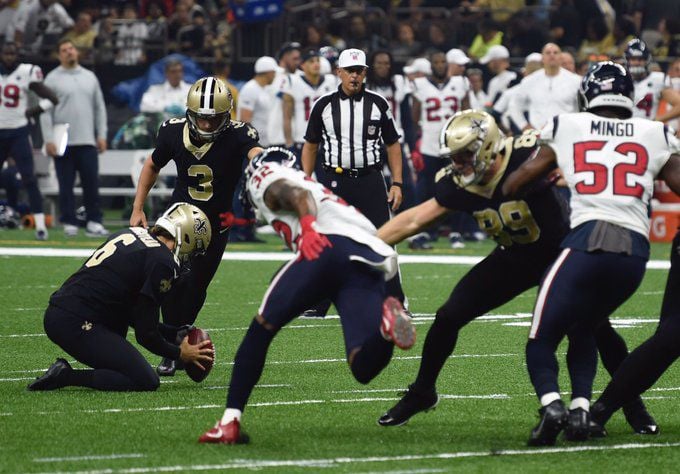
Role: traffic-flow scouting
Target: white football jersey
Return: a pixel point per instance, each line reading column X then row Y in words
column 333, row 215
column 610, row 165
column 304, row 95
column 258, row 100
column 395, row 96
column 14, row 95
column 648, row 95
column 275, row 120
column 437, row 104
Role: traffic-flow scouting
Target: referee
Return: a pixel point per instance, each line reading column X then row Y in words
column 351, row 123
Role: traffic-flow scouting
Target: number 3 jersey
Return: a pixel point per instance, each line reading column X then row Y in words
column 537, row 222
column 333, row 215
column 207, row 175
column 610, row 166
column 14, row 94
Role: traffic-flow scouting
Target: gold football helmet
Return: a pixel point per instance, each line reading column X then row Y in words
column 209, row 106
column 471, row 139
column 190, row 228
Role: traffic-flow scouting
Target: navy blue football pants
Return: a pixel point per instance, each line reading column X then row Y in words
column 116, row 364
column 16, row 143
column 84, row 160
column 579, row 292
column 356, row 289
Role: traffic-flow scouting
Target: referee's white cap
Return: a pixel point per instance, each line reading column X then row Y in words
column 352, row 57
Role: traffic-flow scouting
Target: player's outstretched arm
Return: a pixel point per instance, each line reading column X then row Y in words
column 671, row 173
column 411, row 221
column 147, row 178
column 529, row 172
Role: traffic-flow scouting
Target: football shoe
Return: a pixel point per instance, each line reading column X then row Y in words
column 412, row 402
column 54, row 378
column 168, row 367
column 229, row 433
column 578, row 425
column 639, row 418
column 553, row 420
column 396, row 325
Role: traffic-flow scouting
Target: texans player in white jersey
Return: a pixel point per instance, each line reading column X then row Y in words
column 650, row 87
column 396, row 89
column 610, row 162
column 337, row 257
column 299, row 94
column 435, row 99
column 16, row 80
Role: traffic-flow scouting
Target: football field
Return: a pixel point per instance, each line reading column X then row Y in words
column 308, row 414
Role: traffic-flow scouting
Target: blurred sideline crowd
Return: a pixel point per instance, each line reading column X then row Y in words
column 491, row 45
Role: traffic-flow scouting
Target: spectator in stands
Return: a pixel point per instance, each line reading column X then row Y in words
column 191, row 37
column 130, row 39
column 81, row 106
column 437, row 39
column 565, row 24
column 170, row 96
column 624, row 31
column 405, row 46
column 8, row 9
column 598, row 40
column 222, row 71
column 567, row 61
column 497, row 62
column 83, row 35
column 545, row 93
column 669, row 46
column 157, row 31
column 179, row 20
column 489, row 35
column 105, row 41
column 361, row 37
column 38, row 24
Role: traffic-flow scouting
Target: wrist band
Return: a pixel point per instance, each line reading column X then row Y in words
column 45, row 104
column 398, row 184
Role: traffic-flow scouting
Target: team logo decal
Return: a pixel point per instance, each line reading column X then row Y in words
column 86, row 326
column 252, row 133
column 371, row 129
column 165, row 285
column 200, row 227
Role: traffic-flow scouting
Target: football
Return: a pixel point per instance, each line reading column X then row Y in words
column 196, row 336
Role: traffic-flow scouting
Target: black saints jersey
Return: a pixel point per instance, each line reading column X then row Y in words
column 207, row 175
column 131, row 262
column 539, row 219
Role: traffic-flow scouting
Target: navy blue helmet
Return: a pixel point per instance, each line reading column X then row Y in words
column 637, row 49
column 274, row 154
column 607, row 84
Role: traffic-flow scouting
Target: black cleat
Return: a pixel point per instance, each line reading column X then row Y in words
column 596, row 429
column 553, row 420
column 54, row 377
column 168, row 367
column 412, row 402
column 639, row 418
column 578, row 425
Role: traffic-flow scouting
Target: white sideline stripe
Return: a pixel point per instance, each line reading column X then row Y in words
column 339, row 461
column 94, row 457
column 276, row 256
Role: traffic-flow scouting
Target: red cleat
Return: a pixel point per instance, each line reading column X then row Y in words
column 229, row 433
column 396, row 324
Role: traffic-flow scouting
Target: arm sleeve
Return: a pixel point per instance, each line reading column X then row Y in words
column 161, row 155
column 145, row 317
column 248, row 139
column 387, row 125
column 100, row 110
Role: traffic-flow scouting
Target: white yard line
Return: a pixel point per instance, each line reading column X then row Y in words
column 343, row 461
column 276, row 256
column 93, row 457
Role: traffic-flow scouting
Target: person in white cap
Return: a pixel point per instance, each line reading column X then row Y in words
column 419, row 67
column 255, row 102
column 298, row 97
column 289, row 60
column 496, row 61
column 547, row 92
column 352, row 124
column 456, row 60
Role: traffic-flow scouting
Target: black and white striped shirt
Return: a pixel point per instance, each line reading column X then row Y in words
column 351, row 128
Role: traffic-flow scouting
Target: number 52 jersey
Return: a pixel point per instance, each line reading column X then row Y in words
column 610, row 165
column 207, row 175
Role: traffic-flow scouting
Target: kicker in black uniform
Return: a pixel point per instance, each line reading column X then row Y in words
column 528, row 232
column 122, row 284
column 208, row 149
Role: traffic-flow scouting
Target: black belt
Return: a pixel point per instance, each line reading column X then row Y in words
column 352, row 172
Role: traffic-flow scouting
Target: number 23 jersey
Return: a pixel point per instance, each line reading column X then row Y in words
column 207, row 175
column 538, row 220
